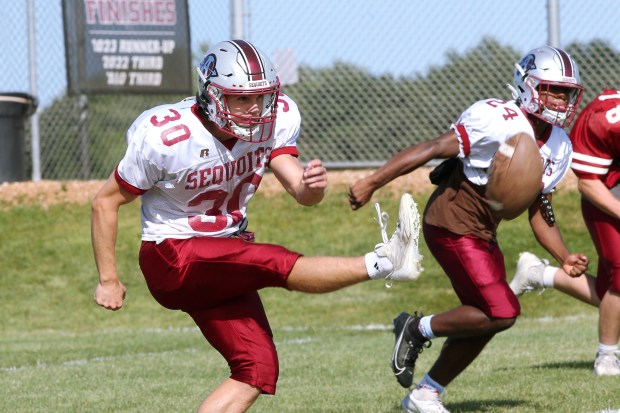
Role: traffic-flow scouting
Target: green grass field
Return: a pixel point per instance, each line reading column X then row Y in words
column 59, row 352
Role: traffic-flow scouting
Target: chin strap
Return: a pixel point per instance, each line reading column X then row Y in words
column 513, row 91
column 202, row 101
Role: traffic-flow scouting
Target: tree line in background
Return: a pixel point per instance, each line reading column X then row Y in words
column 348, row 115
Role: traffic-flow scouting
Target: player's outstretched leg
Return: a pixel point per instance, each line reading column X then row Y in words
column 529, row 274
column 395, row 259
column 408, row 344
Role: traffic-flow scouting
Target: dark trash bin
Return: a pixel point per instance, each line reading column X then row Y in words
column 15, row 108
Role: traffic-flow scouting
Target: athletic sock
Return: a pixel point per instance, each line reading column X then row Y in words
column 376, row 266
column 607, row 348
column 425, row 327
column 548, row 275
column 429, row 382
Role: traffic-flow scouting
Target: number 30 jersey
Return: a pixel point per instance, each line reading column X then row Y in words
column 191, row 184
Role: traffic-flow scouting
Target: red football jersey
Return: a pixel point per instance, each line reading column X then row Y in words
column 596, row 139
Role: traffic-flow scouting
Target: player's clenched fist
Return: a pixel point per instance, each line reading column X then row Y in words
column 575, row 265
column 315, row 175
column 110, row 296
column 360, row 193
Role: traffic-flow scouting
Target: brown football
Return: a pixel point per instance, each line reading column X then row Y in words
column 515, row 176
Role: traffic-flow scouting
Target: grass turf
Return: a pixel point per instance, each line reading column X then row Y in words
column 61, row 352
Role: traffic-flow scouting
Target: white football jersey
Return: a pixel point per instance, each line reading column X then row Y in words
column 556, row 154
column 191, row 184
column 488, row 123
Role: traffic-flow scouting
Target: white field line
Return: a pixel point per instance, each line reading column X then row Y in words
column 81, row 362
column 129, row 356
column 291, row 341
column 550, row 319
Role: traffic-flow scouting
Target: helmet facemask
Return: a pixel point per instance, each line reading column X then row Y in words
column 540, row 106
column 248, row 128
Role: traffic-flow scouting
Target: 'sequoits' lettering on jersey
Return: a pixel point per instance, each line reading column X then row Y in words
column 191, row 184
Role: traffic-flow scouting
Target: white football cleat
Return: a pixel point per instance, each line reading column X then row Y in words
column 402, row 247
column 607, row 364
column 529, row 274
column 423, row 400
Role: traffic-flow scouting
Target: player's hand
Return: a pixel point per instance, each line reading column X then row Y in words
column 315, row 176
column 110, row 295
column 575, row 265
column 360, row 193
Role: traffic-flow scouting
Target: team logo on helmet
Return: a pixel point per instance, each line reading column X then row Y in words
column 207, row 66
column 528, row 63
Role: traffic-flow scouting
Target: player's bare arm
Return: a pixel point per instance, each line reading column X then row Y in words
column 406, row 161
column 110, row 292
column 550, row 238
column 598, row 194
column 307, row 185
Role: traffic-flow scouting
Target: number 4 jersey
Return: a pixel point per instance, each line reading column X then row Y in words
column 488, row 123
column 192, row 184
column 481, row 129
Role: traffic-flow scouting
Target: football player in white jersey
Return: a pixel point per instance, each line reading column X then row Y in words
column 596, row 162
column 460, row 227
column 196, row 164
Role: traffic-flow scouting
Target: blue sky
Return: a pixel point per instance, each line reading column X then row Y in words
column 397, row 37
column 420, row 31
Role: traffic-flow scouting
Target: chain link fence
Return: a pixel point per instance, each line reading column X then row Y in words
column 372, row 77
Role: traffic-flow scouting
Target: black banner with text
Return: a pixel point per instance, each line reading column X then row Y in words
column 127, row 46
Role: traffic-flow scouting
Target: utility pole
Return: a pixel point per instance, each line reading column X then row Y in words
column 553, row 25
column 236, row 19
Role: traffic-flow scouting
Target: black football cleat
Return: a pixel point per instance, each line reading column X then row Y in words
column 407, row 347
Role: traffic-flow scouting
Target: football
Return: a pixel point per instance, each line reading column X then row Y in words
column 515, row 176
